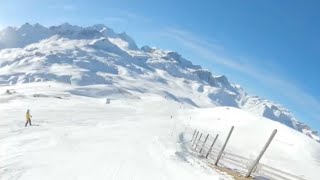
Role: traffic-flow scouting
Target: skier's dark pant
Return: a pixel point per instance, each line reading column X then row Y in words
column 28, row 121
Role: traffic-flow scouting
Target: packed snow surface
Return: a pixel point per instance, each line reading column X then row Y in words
column 290, row 151
column 77, row 137
column 82, row 137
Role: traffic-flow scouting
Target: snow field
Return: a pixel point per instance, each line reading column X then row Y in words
column 83, row 138
column 290, row 151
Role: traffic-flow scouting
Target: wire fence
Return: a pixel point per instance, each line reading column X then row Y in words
column 207, row 146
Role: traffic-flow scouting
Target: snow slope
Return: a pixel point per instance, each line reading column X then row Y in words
column 78, row 137
column 290, row 151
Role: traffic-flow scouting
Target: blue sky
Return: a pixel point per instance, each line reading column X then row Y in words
column 271, row 48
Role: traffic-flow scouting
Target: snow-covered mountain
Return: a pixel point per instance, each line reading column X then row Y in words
column 97, row 55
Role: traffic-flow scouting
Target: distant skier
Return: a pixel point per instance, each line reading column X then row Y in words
column 28, row 118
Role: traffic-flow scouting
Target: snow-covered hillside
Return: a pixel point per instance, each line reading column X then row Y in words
column 97, row 55
column 290, row 151
column 77, row 135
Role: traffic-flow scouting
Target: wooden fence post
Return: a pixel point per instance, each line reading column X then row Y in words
column 224, row 146
column 198, row 142
column 193, row 134
column 256, row 162
column 214, row 141
column 204, row 143
column 195, row 139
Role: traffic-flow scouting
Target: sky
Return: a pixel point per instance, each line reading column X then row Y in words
column 271, row 48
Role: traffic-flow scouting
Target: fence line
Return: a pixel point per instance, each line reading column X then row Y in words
column 256, row 162
column 243, row 165
column 224, row 146
column 195, row 138
column 198, row 142
column 193, row 134
column 204, row 142
column 210, row 149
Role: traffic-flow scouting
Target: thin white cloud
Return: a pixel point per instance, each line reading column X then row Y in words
column 215, row 53
column 64, row 7
column 207, row 50
column 69, row 7
column 112, row 19
column 124, row 17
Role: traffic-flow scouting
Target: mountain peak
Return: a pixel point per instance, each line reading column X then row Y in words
column 67, row 26
column 223, row 79
column 26, row 26
column 27, row 34
column 147, row 49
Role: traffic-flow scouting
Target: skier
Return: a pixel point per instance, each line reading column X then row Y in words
column 28, row 118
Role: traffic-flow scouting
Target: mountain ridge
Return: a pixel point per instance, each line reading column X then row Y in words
column 98, row 55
